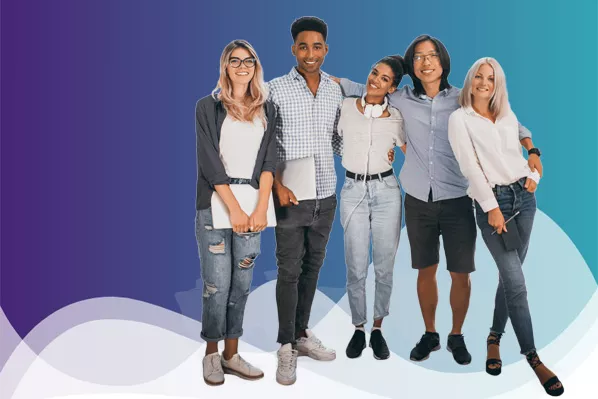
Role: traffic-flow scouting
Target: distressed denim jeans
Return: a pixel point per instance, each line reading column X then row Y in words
column 511, row 295
column 227, row 260
column 370, row 212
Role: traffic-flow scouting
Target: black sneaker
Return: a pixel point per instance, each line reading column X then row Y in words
column 456, row 345
column 378, row 345
column 429, row 342
column 356, row 345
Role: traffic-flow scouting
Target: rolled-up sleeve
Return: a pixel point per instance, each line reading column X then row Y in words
column 465, row 154
column 208, row 157
column 270, row 159
column 524, row 133
column 351, row 89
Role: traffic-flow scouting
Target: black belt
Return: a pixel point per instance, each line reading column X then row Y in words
column 369, row 177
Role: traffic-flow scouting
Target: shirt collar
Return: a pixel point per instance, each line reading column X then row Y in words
column 295, row 75
column 442, row 93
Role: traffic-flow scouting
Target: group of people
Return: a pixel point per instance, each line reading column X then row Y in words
column 463, row 151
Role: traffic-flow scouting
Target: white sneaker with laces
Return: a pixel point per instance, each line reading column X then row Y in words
column 313, row 347
column 286, row 373
column 212, row 369
column 240, row 367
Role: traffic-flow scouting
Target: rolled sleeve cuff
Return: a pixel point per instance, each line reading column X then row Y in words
column 535, row 176
column 220, row 179
column 488, row 205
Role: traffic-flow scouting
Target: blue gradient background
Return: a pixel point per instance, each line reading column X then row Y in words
column 98, row 144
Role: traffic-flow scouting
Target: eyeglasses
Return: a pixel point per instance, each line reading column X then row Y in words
column 236, row 62
column 422, row 57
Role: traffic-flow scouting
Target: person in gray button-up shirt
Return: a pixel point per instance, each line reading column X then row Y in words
column 436, row 200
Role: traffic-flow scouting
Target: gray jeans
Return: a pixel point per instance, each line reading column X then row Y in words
column 511, row 295
column 227, row 261
column 370, row 211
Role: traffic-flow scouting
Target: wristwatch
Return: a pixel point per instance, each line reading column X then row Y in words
column 534, row 151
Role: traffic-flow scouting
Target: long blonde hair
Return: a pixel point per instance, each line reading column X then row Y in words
column 499, row 102
column 257, row 89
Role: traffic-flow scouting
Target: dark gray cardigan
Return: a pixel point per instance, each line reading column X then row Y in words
column 209, row 116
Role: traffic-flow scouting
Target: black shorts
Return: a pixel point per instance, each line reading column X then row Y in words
column 454, row 220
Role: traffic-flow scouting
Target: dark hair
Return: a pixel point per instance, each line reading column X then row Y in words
column 397, row 64
column 309, row 23
column 445, row 62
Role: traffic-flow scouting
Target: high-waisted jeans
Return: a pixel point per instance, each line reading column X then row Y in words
column 370, row 211
column 511, row 296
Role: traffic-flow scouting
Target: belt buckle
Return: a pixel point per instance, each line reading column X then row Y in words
column 358, row 177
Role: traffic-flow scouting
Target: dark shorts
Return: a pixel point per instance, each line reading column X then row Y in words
column 454, row 220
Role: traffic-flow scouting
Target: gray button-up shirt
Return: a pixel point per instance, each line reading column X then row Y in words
column 430, row 163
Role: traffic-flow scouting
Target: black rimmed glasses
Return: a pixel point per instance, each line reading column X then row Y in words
column 236, row 62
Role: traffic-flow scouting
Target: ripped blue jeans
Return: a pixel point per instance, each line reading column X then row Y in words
column 226, row 261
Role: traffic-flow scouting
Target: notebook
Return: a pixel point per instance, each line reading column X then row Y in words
column 299, row 176
column 247, row 198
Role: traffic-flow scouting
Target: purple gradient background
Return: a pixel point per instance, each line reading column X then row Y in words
column 98, row 144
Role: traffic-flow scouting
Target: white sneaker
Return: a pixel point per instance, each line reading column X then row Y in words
column 312, row 347
column 286, row 373
column 212, row 369
column 240, row 367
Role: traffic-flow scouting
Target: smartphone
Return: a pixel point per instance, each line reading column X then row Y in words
column 508, row 220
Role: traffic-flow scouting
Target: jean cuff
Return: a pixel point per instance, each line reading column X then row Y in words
column 234, row 336
column 209, row 339
column 526, row 352
column 495, row 331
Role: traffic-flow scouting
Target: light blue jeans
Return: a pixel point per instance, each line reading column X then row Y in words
column 370, row 211
column 227, row 261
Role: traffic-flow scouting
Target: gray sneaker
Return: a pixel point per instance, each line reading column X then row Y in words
column 212, row 369
column 240, row 367
column 313, row 347
column 286, row 373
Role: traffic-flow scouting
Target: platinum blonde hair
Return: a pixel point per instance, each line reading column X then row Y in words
column 499, row 101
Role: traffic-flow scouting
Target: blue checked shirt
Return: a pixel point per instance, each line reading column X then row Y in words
column 430, row 163
column 306, row 125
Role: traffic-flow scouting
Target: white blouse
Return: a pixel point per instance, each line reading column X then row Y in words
column 488, row 153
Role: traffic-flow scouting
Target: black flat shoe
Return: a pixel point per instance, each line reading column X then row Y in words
column 549, row 386
column 493, row 339
column 356, row 345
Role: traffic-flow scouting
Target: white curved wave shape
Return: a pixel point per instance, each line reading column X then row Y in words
column 107, row 346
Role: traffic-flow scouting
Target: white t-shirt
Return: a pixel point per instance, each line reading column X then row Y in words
column 488, row 153
column 354, row 127
column 239, row 144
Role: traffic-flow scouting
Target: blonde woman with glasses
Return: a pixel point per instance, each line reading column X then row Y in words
column 235, row 145
column 483, row 134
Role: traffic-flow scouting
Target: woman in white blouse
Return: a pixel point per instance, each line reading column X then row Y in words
column 484, row 136
column 371, row 198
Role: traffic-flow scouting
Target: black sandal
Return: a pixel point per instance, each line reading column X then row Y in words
column 534, row 361
column 493, row 339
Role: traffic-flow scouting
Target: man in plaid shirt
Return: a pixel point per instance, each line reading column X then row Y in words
column 308, row 104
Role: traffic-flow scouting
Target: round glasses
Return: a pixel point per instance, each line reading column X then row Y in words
column 236, row 62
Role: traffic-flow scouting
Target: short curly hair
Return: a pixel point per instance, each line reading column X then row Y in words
column 309, row 24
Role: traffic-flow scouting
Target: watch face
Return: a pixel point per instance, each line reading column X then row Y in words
column 534, row 151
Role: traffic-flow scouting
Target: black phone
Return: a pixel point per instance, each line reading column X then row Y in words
column 511, row 237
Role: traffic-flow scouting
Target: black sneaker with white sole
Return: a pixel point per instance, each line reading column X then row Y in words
column 428, row 343
column 356, row 345
column 378, row 345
